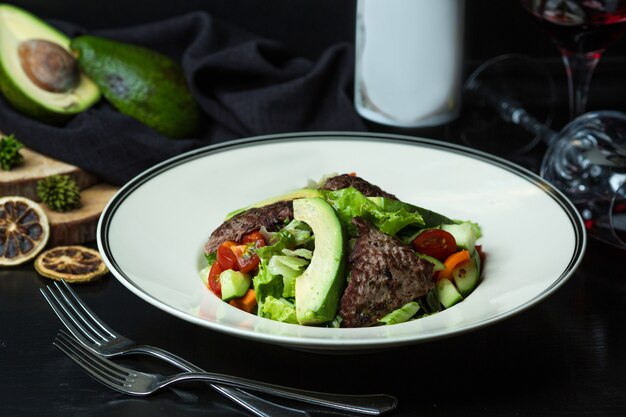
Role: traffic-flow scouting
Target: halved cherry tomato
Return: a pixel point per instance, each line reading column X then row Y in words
column 225, row 256
column 254, row 237
column 436, row 243
column 247, row 259
column 214, row 279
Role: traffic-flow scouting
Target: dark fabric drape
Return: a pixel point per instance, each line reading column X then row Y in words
column 245, row 86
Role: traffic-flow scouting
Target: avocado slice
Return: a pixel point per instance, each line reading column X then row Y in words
column 319, row 287
column 140, row 83
column 38, row 75
column 292, row 195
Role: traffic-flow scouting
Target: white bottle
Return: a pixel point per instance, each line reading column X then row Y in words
column 408, row 65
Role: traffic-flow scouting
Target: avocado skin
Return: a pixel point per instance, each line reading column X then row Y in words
column 140, row 83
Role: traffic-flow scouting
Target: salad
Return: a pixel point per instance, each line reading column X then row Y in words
column 342, row 252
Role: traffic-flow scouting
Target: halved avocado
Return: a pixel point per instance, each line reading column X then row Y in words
column 38, row 74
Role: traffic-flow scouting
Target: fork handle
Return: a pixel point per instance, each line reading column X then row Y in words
column 374, row 404
column 166, row 356
column 256, row 405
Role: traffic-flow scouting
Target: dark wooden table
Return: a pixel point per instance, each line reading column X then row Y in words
column 565, row 356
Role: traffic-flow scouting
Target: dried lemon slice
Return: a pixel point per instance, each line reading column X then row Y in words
column 24, row 230
column 71, row 263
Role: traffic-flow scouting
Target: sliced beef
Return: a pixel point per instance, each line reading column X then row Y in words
column 364, row 187
column 272, row 217
column 385, row 275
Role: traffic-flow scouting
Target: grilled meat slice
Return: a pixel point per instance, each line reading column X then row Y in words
column 364, row 187
column 385, row 275
column 272, row 217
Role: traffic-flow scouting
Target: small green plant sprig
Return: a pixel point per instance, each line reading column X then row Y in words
column 10, row 155
column 59, row 192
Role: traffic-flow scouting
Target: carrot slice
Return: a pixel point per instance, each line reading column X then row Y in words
column 452, row 261
column 246, row 302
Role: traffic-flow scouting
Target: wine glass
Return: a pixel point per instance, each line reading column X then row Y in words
column 582, row 30
column 587, row 161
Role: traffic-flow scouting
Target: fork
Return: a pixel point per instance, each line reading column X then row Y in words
column 133, row 382
column 100, row 339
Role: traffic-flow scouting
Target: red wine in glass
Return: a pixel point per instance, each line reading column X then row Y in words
column 582, row 30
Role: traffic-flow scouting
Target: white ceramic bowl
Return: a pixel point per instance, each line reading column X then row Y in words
column 152, row 232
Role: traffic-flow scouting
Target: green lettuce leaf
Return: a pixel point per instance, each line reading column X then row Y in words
column 430, row 218
column 289, row 267
column 266, row 285
column 279, row 309
column 280, row 263
column 349, row 203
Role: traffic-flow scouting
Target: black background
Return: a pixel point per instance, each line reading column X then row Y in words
column 564, row 357
column 307, row 27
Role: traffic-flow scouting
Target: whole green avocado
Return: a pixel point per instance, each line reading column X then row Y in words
column 140, row 83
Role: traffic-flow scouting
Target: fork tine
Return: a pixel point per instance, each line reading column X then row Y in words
column 69, row 321
column 77, row 304
column 87, row 355
column 97, row 367
column 65, row 307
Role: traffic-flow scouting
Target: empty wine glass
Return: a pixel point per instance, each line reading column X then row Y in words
column 587, row 161
column 582, row 30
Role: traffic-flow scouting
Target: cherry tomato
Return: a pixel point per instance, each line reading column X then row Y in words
column 225, row 256
column 436, row 243
column 254, row 237
column 214, row 279
column 247, row 258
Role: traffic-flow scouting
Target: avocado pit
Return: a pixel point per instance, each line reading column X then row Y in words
column 48, row 65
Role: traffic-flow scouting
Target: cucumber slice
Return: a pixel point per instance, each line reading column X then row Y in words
column 401, row 314
column 448, row 294
column 466, row 274
column 464, row 234
column 234, row 284
column 437, row 264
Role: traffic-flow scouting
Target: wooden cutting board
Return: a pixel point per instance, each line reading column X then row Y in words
column 79, row 226
column 70, row 228
column 22, row 180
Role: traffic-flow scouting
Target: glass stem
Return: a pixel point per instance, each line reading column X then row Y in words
column 579, row 69
column 511, row 111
